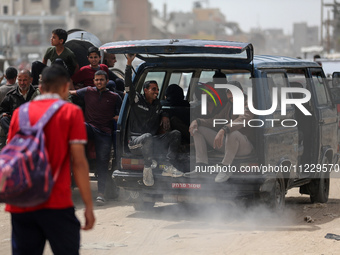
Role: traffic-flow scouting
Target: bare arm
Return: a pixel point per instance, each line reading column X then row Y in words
column 80, row 169
column 44, row 61
column 76, row 69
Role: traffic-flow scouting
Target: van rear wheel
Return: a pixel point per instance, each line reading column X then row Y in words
column 136, row 198
column 274, row 193
column 277, row 201
column 319, row 188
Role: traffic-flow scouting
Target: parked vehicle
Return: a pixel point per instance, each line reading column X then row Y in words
column 290, row 146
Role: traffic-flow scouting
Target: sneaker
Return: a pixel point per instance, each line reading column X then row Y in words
column 192, row 174
column 223, row 176
column 198, row 172
column 100, row 201
column 148, row 176
column 171, row 171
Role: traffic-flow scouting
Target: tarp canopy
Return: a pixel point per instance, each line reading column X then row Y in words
column 79, row 42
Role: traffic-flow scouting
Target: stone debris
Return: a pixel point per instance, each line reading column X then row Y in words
column 174, row 236
column 309, row 219
column 332, row 236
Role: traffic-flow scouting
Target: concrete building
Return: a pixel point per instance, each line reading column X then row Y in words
column 201, row 23
column 95, row 16
column 26, row 25
column 135, row 20
column 304, row 36
column 132, row 20
column 184, row 24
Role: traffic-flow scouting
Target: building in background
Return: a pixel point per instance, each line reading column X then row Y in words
column 26, row 25
column 304, row 36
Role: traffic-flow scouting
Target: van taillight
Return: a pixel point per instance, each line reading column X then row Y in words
column 132, row 164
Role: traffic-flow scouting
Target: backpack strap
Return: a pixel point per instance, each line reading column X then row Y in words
column 24, row 121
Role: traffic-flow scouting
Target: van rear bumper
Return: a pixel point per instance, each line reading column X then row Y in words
column 169, row 189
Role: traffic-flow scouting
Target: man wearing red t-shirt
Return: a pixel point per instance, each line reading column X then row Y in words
column 84, row 77
column 55, row 220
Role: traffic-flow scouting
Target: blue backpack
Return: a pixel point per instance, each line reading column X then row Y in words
column 25, row 173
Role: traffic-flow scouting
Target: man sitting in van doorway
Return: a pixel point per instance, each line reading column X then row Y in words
column 145, row 120
column 232, row 140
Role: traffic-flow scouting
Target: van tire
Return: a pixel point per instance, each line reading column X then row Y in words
column 278, row 194
column 136, row 198
column 319, row 188
column 111, row 189
column 274, row 198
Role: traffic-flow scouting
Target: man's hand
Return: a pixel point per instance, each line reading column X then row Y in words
column 80, row 168
column 218, row 142
column 89, row 219
column 165, row 123
column 193, row 127
column 73, row 92
column 130, row 58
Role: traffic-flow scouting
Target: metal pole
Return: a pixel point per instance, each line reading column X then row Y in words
column 321, row 24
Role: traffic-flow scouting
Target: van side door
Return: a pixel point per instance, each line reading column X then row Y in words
column 280, row 133
column 325, row 138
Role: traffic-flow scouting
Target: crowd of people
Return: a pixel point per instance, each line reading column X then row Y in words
column 101, row 92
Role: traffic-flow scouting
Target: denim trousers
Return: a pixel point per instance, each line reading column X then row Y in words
column 103, row 142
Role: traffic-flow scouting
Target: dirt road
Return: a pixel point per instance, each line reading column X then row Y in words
column 227, row 229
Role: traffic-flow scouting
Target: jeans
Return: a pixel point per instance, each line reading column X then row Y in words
column 144, row 144
column 103, row 142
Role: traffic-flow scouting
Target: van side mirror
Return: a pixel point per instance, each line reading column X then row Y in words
column 336, row 79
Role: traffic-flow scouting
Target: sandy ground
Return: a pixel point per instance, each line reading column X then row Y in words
column 188, row 229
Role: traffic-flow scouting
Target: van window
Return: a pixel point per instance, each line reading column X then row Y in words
column 158, row 77
column 277, row 80
column 321, row 91
column 206, row 76
column 297, row 78
column 181, row 79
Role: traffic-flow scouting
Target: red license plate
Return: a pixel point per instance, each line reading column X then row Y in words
column 185, row 186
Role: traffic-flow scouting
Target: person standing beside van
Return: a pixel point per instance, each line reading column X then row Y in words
column 101, row 109
column 57, row 54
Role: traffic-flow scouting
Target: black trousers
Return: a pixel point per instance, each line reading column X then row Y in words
column 31, row 230
column 147, row 144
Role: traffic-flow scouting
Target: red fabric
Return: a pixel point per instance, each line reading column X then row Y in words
column 67, row 125
column 85, row 75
